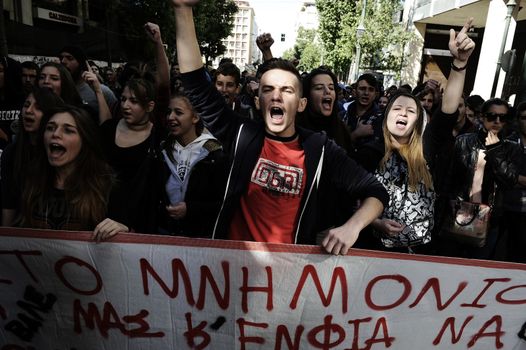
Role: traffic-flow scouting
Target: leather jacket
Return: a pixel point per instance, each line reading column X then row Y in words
column 501, row 170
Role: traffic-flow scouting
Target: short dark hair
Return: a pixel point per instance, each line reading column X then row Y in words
column 30, row 65
column 521, row 108
column 282, row 64
column 405, row 87
column 228, row 69
column 474, row 102
column 225, row 60
column 370, row 79
column 494, row 102
column 79, row 54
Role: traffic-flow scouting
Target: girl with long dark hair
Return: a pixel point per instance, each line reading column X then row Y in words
column 68, row 187
column 19, row 155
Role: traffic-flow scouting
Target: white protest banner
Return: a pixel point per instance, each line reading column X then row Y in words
column 60, row 290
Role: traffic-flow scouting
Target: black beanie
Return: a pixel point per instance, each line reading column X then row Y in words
column 79, row 55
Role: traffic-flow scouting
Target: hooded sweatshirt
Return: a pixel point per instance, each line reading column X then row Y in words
column 185, row 159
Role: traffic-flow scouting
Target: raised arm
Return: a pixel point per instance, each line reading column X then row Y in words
column 440, row 128
column 188, row 54
column 264, row 42
column 94, row 83
column 163, row 67
column 461, row 47
column 219, row 119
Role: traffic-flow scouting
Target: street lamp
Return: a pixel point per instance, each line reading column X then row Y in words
column 511, row 6
column 360, row 30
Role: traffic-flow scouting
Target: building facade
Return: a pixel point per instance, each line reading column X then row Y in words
column 307, row 16
column 499, row 26
column 40, row 28
column 241, row 44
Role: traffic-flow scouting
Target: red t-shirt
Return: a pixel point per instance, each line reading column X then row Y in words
column 269, row 211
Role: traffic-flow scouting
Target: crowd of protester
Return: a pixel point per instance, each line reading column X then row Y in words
column 270, row 156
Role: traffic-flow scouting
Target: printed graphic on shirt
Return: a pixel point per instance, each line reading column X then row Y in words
column 9, row 115
column 182, row 169
column 278, row 178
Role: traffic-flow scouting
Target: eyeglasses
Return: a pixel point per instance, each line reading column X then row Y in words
column 491, row 117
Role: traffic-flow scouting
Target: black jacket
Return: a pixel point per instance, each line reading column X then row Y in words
column 327, row 165
column 203, row 196
column 332, row 125
column 502, row 165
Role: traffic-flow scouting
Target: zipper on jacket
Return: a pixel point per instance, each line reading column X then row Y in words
column 316, row 181
column 228, row 181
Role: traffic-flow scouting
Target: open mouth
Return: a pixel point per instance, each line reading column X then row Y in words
column 56, row 150
column 28, row 120
column 326, row 103
column 228, row 99
column 401, row 123
column 276, row 113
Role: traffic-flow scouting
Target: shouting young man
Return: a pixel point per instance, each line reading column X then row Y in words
column 277, row 169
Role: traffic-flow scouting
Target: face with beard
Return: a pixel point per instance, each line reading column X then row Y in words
column 71, row 63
